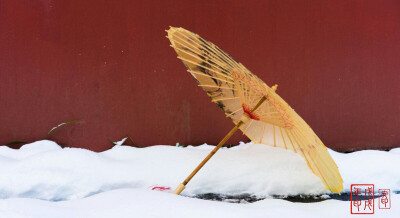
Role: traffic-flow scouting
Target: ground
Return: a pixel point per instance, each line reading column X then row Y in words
column 44, row 180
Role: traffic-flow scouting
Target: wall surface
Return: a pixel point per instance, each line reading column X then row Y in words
column 108, row 62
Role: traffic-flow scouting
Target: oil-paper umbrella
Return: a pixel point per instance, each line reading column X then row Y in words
column 253, row 106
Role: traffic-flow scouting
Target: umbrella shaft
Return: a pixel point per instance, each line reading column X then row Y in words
column 222, row 142
column 181, row 186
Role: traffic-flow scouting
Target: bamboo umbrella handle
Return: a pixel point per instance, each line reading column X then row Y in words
column 182, row 186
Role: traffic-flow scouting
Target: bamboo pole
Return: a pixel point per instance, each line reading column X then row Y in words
column 182, row 186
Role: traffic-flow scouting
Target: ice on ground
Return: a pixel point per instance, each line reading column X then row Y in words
column 142, row 203
column 44, row 170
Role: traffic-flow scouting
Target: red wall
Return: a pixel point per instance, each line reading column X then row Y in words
column 108, row 62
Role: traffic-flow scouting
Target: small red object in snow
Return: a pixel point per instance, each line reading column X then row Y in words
column 160, row 188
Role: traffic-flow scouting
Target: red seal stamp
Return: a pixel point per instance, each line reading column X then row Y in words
column 384, row 201
column 362, row 199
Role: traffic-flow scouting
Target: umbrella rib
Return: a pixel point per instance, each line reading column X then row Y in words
column 198, row 51
column 223, row 99
column 251, row 97
column 287, row 133
column 192, row 45
column 263, row 132
column 225, row 57
column 203, row 74
column 301, row 149
column 202, row 60
column 268, row 115
column 254, row 79
column 251, row 122
column 332, row 172
column 248, row 99
column 283, row 112
column 233, row 112
column 329, row 167
column 188, row 39
column 240, row 93
column 245, row 92
column 283, row 137
column 315, row 165
column 217, row 65
column 219, row 87
column 269, row 108
column 309, row 132
column 212, row 70
column 273, row 127
column 270, row 112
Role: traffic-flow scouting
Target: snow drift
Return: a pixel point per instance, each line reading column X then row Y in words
column 44, row 170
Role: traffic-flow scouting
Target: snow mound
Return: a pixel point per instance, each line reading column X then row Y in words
column 44, row 170
column 28, row 150
column 380, row 168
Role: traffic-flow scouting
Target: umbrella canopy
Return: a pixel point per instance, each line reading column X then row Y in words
column 252, row 105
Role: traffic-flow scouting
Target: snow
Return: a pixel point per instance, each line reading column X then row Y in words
column 43, row 170
column 380, row 168
column 42, row 179
column 145, row 203
column 121, row 142
column 395, row 150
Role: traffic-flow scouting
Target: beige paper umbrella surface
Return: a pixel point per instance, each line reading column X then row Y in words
column 253, row 106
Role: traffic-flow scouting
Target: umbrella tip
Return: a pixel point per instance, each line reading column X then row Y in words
column 275, row 87
column 172, row 28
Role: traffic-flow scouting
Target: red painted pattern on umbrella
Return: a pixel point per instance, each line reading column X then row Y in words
column 247, row 111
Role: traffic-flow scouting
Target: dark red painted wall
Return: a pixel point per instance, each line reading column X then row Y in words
column 108, row 62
